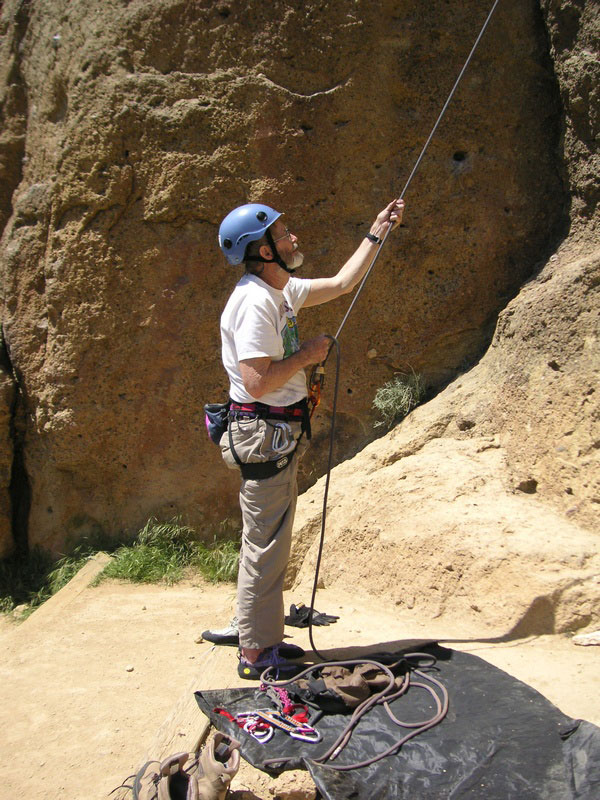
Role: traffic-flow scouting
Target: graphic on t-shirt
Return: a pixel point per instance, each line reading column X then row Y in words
column 289, row 332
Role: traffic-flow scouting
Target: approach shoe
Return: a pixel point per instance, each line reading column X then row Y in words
column 165, row 779
column 218, row 764
column 281, row 669
column 230, row 636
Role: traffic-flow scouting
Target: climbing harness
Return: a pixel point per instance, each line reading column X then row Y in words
column 317, row 377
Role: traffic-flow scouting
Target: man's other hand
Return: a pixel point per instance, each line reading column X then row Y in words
column 315, row 350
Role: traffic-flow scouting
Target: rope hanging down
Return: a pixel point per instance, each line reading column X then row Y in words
column 316, row 380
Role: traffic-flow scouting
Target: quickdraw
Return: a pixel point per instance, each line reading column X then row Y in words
column 260, row 724
column 296, row 729
column 282, row 701
column 250, row 723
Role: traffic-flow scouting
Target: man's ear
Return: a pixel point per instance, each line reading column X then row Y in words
column 265, row 252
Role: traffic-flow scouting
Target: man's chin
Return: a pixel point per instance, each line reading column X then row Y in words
column 295, row 261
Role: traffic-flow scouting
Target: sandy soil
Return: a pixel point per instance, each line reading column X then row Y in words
column 76, row 722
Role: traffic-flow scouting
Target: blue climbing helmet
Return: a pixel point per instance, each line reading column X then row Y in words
column 243, row 225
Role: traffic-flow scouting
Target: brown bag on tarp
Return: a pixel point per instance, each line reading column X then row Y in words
column 337, row 689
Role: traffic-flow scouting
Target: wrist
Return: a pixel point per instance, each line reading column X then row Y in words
column 373, row 237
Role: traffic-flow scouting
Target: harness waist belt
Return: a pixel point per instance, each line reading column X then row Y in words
column 295, row 411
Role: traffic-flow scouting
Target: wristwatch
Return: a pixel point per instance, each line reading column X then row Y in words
column 372, row 238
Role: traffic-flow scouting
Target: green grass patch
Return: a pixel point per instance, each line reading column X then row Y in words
column 160, row 552
column 395, row 399
column 219, row 561
column 163, row 551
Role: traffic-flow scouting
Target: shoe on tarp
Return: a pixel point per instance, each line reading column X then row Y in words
column 270, row 657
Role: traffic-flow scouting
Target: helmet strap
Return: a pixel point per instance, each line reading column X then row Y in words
column 277, row 260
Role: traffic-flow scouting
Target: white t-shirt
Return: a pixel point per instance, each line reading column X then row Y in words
column 260, row 321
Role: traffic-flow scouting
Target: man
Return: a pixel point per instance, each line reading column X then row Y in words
column 269, row 426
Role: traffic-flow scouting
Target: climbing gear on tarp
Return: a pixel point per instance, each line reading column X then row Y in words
column 355, row 687
column 501, row 739
column 300, row 616
column 243, row 225
column 340, row 686
column 184, row 776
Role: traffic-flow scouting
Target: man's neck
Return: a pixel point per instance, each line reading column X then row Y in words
column 274, row 276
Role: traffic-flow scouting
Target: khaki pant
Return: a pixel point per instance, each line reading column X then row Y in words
column 268, row 507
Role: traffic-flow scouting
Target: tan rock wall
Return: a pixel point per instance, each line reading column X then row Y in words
column 483, row 506
column 145, row 122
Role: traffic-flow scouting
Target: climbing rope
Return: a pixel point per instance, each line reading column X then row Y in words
column 318, row 372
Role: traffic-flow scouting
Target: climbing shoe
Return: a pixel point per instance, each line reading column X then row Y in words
column 290, row 651
column 281, row 669
column 218, row 764
column 229, row 636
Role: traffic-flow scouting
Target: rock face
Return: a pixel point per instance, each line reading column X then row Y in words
column 483, row 505
column 129, row 129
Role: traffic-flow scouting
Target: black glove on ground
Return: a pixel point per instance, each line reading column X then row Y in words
column 299, row 617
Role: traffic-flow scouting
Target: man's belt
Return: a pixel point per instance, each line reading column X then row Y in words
column 252, row 410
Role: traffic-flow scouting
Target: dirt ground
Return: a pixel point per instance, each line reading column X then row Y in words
column 84, row 693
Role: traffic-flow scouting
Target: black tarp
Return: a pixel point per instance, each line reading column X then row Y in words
column 500, row 740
